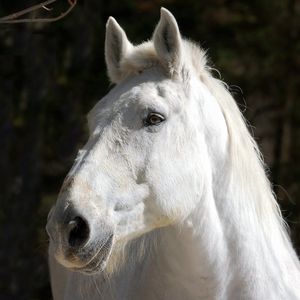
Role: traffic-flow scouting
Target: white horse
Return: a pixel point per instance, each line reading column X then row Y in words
column 168, row 199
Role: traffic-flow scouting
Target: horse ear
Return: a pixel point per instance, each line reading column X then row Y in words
column 168, row 42
column 116, row 47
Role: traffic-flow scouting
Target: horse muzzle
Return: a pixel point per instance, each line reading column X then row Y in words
column 78, row 244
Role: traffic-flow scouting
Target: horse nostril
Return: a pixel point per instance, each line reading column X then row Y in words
column 78, row 232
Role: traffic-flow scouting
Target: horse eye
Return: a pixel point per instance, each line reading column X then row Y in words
column 153, row 119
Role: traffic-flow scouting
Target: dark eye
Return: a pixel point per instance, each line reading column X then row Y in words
column 153, row 119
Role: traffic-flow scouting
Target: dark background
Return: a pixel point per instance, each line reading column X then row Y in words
column 52, row 74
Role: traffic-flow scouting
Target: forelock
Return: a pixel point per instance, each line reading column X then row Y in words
column 144, row 56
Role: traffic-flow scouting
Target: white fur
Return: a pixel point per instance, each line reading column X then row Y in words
column 193, row 213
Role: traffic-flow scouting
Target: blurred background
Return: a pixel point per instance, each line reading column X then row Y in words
column 52, row 74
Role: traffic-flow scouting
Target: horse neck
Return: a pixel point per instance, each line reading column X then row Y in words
column 186, row 262
column 194, row 254
column 225, row 250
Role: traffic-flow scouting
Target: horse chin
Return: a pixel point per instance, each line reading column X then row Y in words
column 98, row 261
column 92, row 268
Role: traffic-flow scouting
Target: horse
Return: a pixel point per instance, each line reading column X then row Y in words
column 169, row 197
